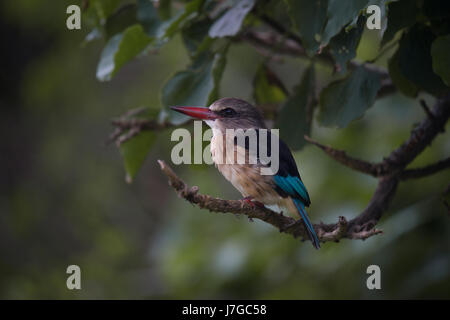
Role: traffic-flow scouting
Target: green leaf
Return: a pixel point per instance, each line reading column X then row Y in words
column 120, row 49
column 340, row 13
column 165, row 9
column 134, row 152
column 401, row 14
column 153, row 22
column 95, row 34
column 124, row 46
column 268, row 89
column 195, row 36
column 414, row 59
column 309, row 18
column 295, row 115
column 103, row 9
column 183, row 16
column 348, row 99
column 230, row 23
column 401, row 82
column 148, row 16
column 121, row 19
column 343, row 46
column 440, row 53
column 196, row 86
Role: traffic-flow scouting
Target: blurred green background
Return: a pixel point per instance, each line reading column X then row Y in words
column 64, row 199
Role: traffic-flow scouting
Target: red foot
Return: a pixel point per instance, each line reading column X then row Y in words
column 254, row 204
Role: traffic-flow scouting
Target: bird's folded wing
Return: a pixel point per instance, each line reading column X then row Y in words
column 293, row 187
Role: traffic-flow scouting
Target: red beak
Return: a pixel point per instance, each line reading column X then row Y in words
column 197, row 112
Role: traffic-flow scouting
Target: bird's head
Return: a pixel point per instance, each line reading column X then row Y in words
column 226, row 113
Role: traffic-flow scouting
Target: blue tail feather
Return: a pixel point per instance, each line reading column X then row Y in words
column 309, row 227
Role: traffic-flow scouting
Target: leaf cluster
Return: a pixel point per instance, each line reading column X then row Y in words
column 331, row 29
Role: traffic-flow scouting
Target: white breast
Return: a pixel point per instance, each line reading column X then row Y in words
column 246, row 178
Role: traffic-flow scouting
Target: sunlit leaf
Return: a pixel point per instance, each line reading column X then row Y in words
column 348, row 99
column 230, row 23
column 95, row 34
column 120, row 49
column 294, row 120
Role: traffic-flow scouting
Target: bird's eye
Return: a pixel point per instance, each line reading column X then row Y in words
column 228, row 112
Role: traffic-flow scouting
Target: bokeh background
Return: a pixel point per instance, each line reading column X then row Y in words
column 64, row 199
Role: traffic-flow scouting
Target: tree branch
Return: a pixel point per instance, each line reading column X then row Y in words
column 287, row 42
column 266, row 41
column 389, row 172
column 295, row 45
column 425, row 171
column 128, row 127
column 426, row 109
column 396, row 162
column 288, row 225
column 392, row 169
column 385, row 191
column 348, row 161
column 420, row 138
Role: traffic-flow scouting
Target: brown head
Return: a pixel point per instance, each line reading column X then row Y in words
column 227, row 113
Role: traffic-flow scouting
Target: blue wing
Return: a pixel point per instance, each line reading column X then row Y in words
column 293, row 187
column 287, row 180
column 289, row 184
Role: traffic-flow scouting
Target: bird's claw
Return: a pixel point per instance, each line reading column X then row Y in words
column 254, row 204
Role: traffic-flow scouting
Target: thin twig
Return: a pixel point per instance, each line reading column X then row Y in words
column 425, row 108
column 420, row 138
column 348, row 161
column 425, row 171
column 383, row 51
column 264, row 41
column 396, row 162
column 321, row 54
column 128, row 126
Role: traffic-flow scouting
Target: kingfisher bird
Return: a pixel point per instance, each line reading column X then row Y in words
column 284, row 188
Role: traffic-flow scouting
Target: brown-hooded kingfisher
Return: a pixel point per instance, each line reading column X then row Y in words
column 284, row 189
